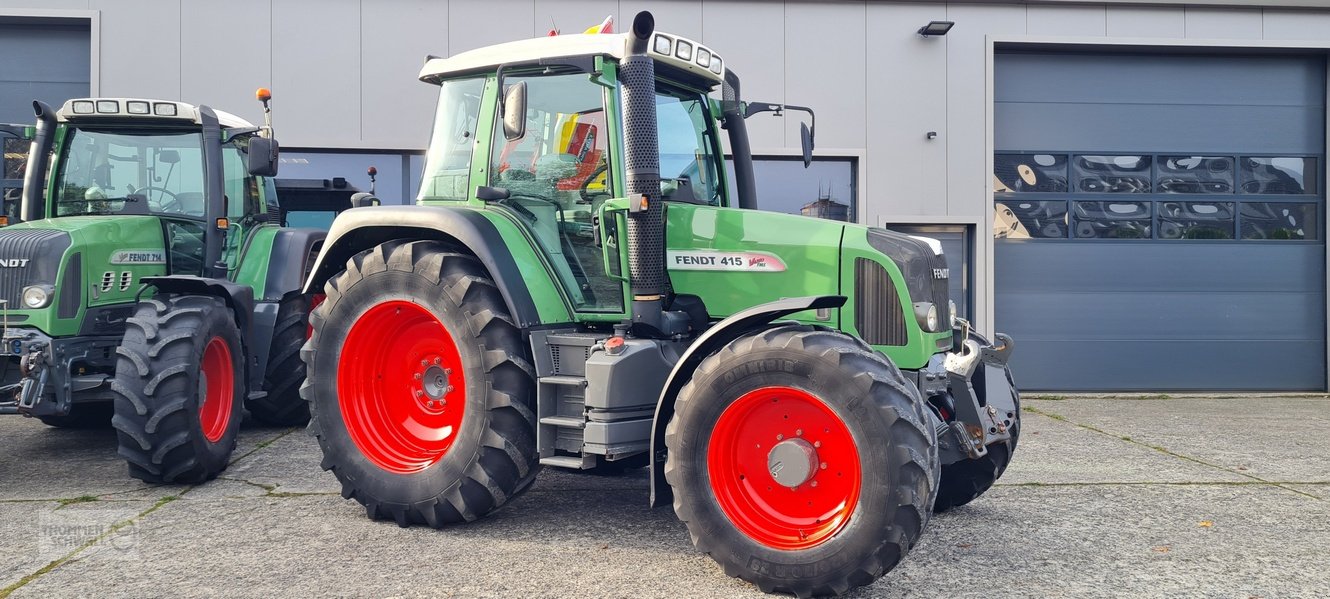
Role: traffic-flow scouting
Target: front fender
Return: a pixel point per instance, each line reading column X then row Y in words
column 714, row 338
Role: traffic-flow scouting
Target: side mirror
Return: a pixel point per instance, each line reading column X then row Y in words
column 514, row 112
column 261, row 158
column 806, row 139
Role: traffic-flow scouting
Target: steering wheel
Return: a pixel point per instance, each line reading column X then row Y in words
column 170, row 205
column 583, row 189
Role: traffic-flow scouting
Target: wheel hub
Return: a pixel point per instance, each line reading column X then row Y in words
column 792, row 462
column 434, row 381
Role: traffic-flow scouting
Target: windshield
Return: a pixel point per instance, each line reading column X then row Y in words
column 126, row 172
column 688, row 166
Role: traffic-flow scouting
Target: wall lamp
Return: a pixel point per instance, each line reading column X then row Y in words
column 935, row 28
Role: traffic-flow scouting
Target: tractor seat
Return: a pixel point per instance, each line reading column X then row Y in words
column 191, row 203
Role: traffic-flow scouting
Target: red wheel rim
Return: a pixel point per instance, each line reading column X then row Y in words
column 400, row 386
column 217, row 389
column 740, row 466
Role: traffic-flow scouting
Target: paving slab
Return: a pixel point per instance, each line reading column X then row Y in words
column 1056, row 452
column 1081, row 541
column 36, row 533
column 1275, row 438
column 43, row 462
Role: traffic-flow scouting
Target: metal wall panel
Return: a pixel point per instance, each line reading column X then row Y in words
column 140, row 50
column 1223, row 23
column 905, row 72
column 225, row 75
column 757, row 52
column 1295, row 24
column 316, row 49
column 1066, row 20
column 53, row 69
column 397, row 108
column 475, row 24
column 1146, row 21
column 829, row 37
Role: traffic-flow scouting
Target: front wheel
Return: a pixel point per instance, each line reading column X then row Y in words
column 283, row 406
column 421, row 392
column 179, row 385
column 801, row 461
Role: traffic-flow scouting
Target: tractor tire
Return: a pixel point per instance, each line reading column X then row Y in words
column 84, row 416
column 799, row 424
column 283, row 406
column 179, row 388
column 415, row 332
column 964, row 481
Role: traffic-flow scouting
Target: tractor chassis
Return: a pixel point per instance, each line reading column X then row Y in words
column 48, row 364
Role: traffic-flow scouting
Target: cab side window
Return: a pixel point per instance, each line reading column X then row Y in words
column 556, row 175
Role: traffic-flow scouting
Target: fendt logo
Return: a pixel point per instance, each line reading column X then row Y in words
column 13, row 262
column 941, row 273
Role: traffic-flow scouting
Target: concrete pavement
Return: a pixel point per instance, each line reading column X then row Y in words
column 1224, row 497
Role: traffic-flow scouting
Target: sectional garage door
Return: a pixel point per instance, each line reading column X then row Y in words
column 1160, row 220
column 44, row 59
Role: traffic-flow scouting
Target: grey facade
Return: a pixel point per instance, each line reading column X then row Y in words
column 343, row 75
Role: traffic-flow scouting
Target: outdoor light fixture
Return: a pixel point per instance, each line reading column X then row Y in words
column 934, row 28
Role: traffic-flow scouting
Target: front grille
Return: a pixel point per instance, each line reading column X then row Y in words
column 919, row 266
column 878, row 314
column 28, row 257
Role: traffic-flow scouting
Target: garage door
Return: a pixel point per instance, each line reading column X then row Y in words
column 1160, row 220
column 42, row 60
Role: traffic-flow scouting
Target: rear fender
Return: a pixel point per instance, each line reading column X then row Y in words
column 721, row 333
column 360, row 229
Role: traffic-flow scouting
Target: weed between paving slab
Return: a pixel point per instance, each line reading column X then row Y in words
column 114, row 528
column 1255, row 480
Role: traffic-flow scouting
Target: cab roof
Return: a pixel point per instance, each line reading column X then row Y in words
column 667, row 48
column 91, row 110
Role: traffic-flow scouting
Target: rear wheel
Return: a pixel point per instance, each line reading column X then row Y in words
column 964, row 481
column 179, row 384
column 420, row 387
column 801, row 461
column 283, row 406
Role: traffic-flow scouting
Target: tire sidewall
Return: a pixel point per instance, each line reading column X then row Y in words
column 342, row 311
column 713, row 392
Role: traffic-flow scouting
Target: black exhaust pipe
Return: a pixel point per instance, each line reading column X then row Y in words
column 648, row 280
column 33, row 207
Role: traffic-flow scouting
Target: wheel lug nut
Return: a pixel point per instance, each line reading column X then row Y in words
column 436, row 360
column 824, row 465
column 447, row 371
column 449, row 389
column 417, row 376
column 424, row 363
column 799, row 432
column 817, row 444
column 779, row 437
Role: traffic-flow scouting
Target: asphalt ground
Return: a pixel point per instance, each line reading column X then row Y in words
column 1143, row 497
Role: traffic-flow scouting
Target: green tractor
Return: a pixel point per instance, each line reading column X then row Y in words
column 150, row 284
column 578, row 288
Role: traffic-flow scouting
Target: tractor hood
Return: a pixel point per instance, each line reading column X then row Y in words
column 82, row 263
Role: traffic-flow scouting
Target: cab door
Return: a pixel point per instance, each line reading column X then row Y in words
column 557, row 174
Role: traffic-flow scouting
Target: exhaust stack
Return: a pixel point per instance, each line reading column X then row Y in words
column 33, row 207
column 649, row 282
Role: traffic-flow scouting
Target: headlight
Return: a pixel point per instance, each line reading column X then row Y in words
column 37, row 296
column 926, row 314
column 951, row 309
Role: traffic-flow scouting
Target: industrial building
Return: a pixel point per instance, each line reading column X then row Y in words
column 1135, row 191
